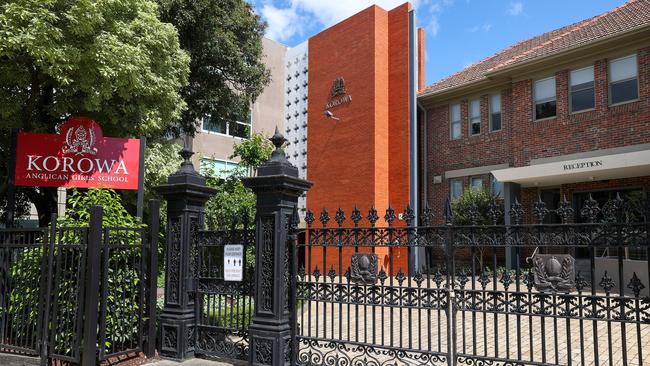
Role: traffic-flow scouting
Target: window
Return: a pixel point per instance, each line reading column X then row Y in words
column 623, row 80
column 456, row 188
column 581, row 89
column 455, row 121
column 544, row 96
column 476, row 183
column 495, row 112
column 217, row 168
column 475, row 117
column 496, row 187
column 240, row 128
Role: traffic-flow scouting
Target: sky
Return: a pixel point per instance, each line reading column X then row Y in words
column 458, row 32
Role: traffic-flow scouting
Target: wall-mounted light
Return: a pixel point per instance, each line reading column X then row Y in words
column 330, row 115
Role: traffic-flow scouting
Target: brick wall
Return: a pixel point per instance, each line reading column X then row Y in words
column 522, row 139
column 362, row 159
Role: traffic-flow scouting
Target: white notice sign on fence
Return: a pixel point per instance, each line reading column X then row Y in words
column 233, row 262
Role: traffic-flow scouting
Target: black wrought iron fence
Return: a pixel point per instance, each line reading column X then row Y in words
column 224, row 307
column 122, row 299
column 21, row 289
column 541, row 294
column 77, row 294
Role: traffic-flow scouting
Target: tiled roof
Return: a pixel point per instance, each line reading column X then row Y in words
column 629, row 16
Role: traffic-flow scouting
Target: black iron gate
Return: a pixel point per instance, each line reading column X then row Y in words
column 60, row 284
column 490, row 294
column 224, row 309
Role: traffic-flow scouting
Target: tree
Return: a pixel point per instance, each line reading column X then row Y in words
column 482, row 200
column 224, row 40
column 253, row 151
column 113, row 61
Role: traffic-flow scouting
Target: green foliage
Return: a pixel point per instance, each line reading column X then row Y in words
column 237, row 314
column 253, row 151
column 161, row 160
column 224, row 40
column 479, row 197
column 114, row 213
column 112, row 60
column 231, row 200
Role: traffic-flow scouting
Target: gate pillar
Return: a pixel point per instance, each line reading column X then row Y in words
column 277, row 187
column 186, row 195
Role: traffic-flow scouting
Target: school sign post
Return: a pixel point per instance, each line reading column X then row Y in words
column 79, row 156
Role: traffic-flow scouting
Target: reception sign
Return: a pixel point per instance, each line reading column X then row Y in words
column 78, row 156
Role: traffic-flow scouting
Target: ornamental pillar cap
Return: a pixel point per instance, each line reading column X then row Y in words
column 186, row 173
column 278, row 164
column 277, row 173
column 186, row 181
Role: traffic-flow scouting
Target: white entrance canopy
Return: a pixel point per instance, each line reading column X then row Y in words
column 624, row 165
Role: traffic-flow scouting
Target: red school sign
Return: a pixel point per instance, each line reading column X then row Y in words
column 78, row 156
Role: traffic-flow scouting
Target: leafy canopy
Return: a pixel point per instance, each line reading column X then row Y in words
column 114, row 213
column 112, row 60
column 254, row 151
column 479, row 197
column 224, row 40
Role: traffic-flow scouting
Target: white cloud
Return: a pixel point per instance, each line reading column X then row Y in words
column 282, row 23
column 331, row 12
column 296, row 16
column 485, row 28
column 434, row 25
column 516, row 8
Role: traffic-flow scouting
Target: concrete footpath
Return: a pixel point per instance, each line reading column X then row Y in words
column 193, row 362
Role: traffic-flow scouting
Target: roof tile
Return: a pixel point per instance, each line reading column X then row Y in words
column 629, row 16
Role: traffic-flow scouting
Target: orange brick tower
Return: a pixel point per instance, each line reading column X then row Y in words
column 360, row 112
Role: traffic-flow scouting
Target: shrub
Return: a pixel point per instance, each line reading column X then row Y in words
column 461, row 207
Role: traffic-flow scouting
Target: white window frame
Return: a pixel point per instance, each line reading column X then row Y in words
column 535, row 101
column 227, row 134
column 593, row 74
column 500, row 111
column 452, row 122
column 471, row 119
column 609, row 80
column 227, row 162
column 472, row 180
column 451, row 187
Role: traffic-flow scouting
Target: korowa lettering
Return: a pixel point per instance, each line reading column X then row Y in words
column 584, row 164
column 338, row 101
column 78, row 156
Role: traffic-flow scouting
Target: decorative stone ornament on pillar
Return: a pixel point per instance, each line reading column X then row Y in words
column 277, row 187
column 186, row 194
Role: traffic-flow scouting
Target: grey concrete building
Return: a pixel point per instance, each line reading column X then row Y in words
column 214, row 140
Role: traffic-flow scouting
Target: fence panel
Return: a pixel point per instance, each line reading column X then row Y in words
column 358, row 303
column 22, row 274
column 572, row 293
column 44, row 286
column 224, row 309
column 122, row 306
column 67, row 293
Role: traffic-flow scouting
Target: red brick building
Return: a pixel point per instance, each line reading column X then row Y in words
column 363, row 77
column 566, row 113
